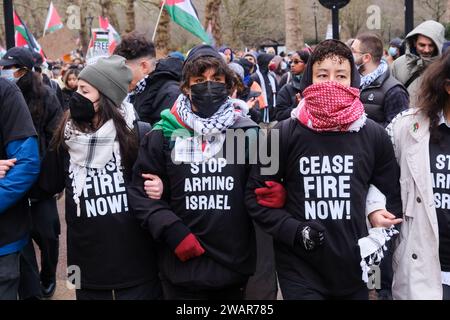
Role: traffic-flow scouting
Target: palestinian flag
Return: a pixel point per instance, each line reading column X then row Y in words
column 24, row 38
column 114, row 37
column 53, row 21
column 184, row 14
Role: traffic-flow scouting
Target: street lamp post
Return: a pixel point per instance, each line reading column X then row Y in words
column 409, row 16
column 89, row 20
column 315, row 7
column 9, row 23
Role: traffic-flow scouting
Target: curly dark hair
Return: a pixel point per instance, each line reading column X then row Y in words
column 433, row 96
column 331, row 49
column 135, row 45
column 198, row 66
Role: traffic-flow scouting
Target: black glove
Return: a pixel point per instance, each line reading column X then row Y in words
column 310, row 235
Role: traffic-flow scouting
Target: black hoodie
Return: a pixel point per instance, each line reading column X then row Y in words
column 263, row 64
column 161, row 91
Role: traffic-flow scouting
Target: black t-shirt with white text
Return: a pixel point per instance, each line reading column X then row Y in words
column 104, row 240
column 440, row 171
column 327, row 176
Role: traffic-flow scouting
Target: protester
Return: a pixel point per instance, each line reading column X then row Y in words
column 278, row 67
column 382, row 95
column 268, row 83
column 91, row 158
column 252, row 57
column 328, row 150
column 45, row 111
column 70, row 85
column 228, row 53
column 196, row 258
column 290, row 94
column 395, row 51
column 423, row 47
column 52, row 84
column 155, row 86
column 18, row 144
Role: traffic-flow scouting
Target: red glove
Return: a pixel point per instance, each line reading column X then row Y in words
column 189, row 248
column 274, row 196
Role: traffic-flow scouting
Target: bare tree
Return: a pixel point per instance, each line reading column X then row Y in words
column 294, row 35
column 249, row 22
column 107, row 10
column 212, row 16
column 130, row 15
column 162, row 40
column 353, row 18
column 437, row 8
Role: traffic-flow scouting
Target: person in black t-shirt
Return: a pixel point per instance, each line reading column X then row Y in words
column 19, row 157
column 330, row 154
column 45, row 112
column 91, row 157
column 206, row 240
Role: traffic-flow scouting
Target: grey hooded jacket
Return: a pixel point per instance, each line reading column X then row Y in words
column 411, row 62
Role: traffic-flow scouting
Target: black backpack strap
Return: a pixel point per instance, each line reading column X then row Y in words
column 415, row 75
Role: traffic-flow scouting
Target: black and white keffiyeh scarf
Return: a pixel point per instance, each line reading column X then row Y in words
column 209, row 134
column 372, row 248
column 90, row 152
column 140, row 87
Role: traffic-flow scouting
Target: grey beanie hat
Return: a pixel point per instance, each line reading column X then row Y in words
column 110, row 76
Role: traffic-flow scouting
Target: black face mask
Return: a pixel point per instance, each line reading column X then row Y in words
column 208, row 97
column 81, row 108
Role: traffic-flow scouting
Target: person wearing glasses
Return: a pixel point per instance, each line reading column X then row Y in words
column 289, row 95
column 382, row 95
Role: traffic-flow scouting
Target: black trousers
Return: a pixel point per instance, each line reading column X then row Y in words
column 9, row 276
column 45, row 232
column 294, row 290
column 263, row 284
column 148, row 291
column 387, row 274
column 446, row 291
column 172, row 292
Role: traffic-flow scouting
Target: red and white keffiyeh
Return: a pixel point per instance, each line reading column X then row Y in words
column 330, row 106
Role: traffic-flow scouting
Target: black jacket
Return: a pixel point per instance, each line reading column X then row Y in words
column 384, row 99
column 286, row 101
column 49, row 115
column 221, row 224
column 161, row 91
column 263, row 65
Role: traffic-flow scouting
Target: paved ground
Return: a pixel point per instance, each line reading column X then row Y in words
column 62, row 292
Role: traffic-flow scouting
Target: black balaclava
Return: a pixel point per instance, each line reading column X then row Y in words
column 308, row 74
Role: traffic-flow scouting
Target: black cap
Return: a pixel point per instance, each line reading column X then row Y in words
column 38, row 60
column 18, row 56
column 202, row 50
